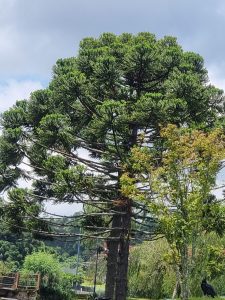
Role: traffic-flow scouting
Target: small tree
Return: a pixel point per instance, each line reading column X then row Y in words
column 177, row 187
column 55, row 284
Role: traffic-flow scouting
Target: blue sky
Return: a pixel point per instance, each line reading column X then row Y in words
column 35, row 33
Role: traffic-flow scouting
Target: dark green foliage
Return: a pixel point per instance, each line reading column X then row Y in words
column 213, row 216
column 92, row 221
column 15, row 246
column 77, row 134
column 116, row 84
column 21, row 212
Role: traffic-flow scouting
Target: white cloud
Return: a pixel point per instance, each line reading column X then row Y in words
column 14, row 90
column 36, row 33
column 220, row 182
column 216, row 76
column 63, row 209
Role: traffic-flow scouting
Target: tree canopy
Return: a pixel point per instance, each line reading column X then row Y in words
column 72, row 139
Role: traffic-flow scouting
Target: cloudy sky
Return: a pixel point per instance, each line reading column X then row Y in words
column 35, row 33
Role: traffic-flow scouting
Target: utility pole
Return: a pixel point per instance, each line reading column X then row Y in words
column 96, row 269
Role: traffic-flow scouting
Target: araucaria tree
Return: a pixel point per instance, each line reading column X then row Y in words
column 77, row 134
column 177, row 188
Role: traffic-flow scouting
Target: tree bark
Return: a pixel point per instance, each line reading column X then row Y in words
column 111, row 269
column 112, row 259
column 122, row 270
column 184, row 281
column 176, row 291
column 117, row 261
column 121, row 279
column 117, row 265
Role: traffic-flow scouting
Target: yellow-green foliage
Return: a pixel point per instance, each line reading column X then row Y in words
column 176, row 184
column 177, row 187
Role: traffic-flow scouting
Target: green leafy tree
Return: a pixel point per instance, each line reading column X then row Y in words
column 178, row 188
column 55, row 284
column 76, row 135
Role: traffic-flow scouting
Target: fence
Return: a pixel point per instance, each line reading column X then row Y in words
column 15, row 281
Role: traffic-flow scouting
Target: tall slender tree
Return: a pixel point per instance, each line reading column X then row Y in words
column 76, row 135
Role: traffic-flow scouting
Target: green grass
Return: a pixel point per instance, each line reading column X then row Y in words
column 204, row 298
column 192, row 298
column 137, row 299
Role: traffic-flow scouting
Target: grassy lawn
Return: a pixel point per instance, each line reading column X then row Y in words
column 192, row 298
column 137, row 299
column 204, row 298
column 101, row 288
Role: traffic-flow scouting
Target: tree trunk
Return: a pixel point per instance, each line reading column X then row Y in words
column 177, row 291
column 111, row 269
column 112, row 259
column 117, row 265
column 121, row 279
column 184, row 280
column 122, row 270
column 117, row 261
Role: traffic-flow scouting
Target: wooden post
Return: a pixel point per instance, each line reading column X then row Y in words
column 38, row 281
column 16, row 280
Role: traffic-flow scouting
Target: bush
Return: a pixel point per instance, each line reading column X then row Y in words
column 55, row 284
column 150, row 275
